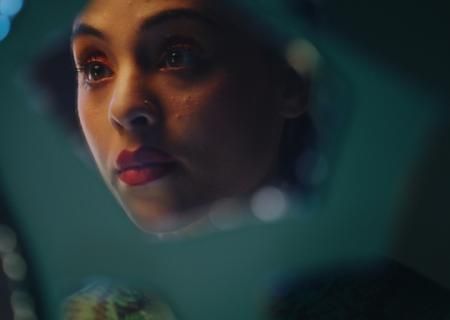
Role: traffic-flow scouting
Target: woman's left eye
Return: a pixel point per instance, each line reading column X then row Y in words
column 180, row 58
column 94, row 71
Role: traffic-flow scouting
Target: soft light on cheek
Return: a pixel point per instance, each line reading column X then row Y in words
column 93, row 124
column 92, row 108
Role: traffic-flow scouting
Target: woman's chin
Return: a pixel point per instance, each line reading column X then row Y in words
column 159, row 219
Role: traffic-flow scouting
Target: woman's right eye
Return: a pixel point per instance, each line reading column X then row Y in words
column 182, row 54
column 95, row 71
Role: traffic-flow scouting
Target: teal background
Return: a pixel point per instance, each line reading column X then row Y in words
column 394, row 58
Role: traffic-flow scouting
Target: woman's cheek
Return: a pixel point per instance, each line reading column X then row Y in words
column 93, row 120
column 190, row 109
column 205, row 124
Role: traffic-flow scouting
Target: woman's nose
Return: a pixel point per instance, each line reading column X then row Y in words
column 136, row 118
column 131, row 106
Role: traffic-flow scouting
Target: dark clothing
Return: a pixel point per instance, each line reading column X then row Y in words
column 387, row 290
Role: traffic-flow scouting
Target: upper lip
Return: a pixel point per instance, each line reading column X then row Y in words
column 143, row 156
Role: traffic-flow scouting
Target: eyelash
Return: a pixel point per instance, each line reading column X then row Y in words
column 181, row 56
column 177, row 55
column 93, row 69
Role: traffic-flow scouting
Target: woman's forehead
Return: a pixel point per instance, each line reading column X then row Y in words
column 123, row 21
column 119, row 17
column 127, row 10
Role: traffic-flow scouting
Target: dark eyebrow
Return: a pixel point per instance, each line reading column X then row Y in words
column 164, row 16
column 81, row 29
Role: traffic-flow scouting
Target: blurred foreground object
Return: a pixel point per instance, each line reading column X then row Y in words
column 16, row 287
column 8, row 9
column 104, row 302
column 376, row 290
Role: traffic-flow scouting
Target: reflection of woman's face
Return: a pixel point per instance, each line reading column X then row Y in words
column 177, row 110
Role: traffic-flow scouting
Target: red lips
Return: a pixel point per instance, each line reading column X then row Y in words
column 143, row 165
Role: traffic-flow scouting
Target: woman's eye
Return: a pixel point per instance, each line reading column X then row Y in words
column 95, row 71
column 181, row 57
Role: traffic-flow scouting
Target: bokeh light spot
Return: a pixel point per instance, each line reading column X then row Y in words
column 14, row 266
column 303, row 56
column 23, row 305
column 8, row 239
column 10, row 7
column 5, row 26
column 269, row 204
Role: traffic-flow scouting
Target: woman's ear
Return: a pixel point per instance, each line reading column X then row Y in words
column 295, row 93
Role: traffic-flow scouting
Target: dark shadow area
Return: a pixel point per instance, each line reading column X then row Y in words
column 424, row 221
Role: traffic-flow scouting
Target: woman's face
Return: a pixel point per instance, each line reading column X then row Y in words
column 177, row 108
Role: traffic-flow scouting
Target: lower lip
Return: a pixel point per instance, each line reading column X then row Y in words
column 144, row 175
